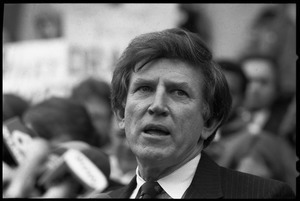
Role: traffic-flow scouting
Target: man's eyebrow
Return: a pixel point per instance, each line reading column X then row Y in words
column 171, row 83
column 181, row 85
column 139, row 81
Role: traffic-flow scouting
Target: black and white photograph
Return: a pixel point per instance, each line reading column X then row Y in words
column 149, row 100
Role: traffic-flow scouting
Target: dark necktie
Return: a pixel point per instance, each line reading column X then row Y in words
column 149, row 190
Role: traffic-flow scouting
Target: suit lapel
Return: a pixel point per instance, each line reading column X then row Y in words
column 124, row 192
column 207, row 180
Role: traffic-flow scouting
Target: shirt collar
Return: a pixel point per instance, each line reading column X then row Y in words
column 176, row 183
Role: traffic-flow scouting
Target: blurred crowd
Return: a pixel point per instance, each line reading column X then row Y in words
column 259, row 136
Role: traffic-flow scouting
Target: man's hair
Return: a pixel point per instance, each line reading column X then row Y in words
column 55, row 117
column 181, row 45
column 235, row 68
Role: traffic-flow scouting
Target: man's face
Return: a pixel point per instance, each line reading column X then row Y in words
column 261, row 89
column 163, row 113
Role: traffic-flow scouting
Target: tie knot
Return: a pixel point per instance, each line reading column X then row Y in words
column 150, row 189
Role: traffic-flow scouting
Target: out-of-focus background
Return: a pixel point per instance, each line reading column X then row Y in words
column 54, row 54
column 49, row 47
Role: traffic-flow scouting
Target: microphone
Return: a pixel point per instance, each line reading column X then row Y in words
column 86, row 165
column 65, row 171
column 16, row 137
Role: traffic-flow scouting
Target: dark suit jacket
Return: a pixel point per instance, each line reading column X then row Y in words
column 214, row 181
column 277, row 113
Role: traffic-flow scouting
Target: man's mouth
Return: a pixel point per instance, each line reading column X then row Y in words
column 154, row 129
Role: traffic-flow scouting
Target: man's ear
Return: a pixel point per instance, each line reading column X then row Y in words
column 120, row 119
column 209, row 127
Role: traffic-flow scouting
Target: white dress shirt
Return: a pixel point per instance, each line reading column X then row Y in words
column 176, row 183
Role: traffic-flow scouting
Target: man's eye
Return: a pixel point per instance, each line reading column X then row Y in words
column 180, row 93
column 144, row 89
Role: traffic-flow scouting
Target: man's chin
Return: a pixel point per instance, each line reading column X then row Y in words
column 152, row 157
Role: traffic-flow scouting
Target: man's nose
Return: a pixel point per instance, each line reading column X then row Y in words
column 159, row 104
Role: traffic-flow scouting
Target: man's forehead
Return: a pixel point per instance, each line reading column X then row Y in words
column 171, row 69
column 147, row 62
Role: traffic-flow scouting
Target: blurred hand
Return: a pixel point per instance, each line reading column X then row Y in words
column 22, row 183
column 7, row 175
column 46, row 174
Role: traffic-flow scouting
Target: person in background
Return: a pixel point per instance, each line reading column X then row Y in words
column 13, row 105
column 94, row 94
column 287, row 129
column 264, row 155
column 273, row 33
column 57, row 122
column 237, row 82
column 236, row 123
column 60, row 120
column 170, row 97
column 123, row 161
column 263, row 98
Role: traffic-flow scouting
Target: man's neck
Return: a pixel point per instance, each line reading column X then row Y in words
column 151, row 172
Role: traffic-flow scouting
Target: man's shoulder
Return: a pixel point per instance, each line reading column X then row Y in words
column 115, row 193
column 249, row 185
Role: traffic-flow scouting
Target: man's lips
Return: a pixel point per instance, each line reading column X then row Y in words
column 156, row 129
